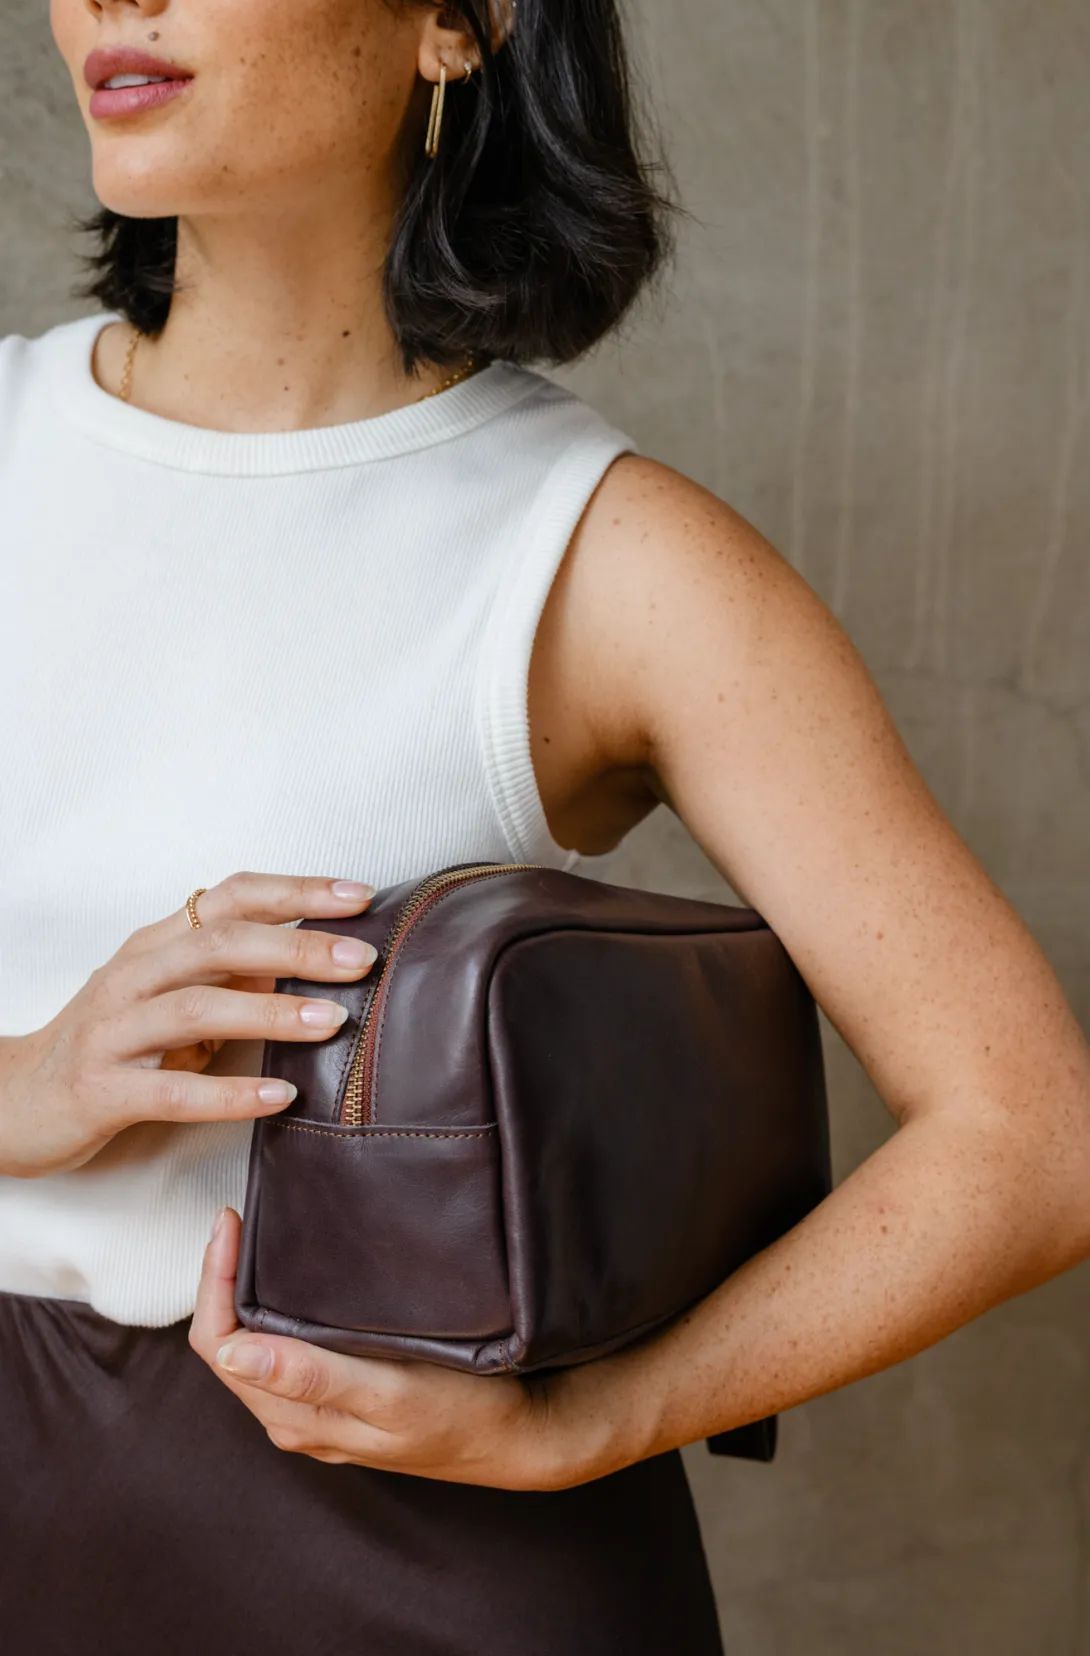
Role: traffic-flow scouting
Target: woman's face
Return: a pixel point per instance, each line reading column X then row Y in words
column 267, row 104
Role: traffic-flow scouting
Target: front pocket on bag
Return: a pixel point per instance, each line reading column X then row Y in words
column 384, row 1230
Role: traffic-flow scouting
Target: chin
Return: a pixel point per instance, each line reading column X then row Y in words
column 141, row 193
column 134, row 190
column 133, row 206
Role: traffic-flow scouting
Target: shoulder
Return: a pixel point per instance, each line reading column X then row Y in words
column 650, row 522
column 28, row 356
column 679, row 648
column 665, row 588
column 29, row 367
column 16, row 363
column 551, row 421
column 18, row 376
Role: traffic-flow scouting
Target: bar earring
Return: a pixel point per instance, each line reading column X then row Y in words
column 435, row 124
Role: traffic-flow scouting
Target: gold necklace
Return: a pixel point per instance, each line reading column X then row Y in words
column 469, row 367
column 130, row 358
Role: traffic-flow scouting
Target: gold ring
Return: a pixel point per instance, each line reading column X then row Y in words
column 191, row 907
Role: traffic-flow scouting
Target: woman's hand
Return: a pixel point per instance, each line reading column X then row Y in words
column 415, row 1417
column 130, row 1045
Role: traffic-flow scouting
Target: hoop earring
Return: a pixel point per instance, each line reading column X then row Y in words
column 435, row 125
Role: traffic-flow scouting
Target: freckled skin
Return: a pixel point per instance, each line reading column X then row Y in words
column 300, row 101
column 283, row 162
column 680, row 659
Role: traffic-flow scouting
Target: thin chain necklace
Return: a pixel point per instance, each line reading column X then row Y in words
column 469, row 367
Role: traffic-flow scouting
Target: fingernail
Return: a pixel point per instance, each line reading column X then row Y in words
column 323, row 1014
column 351, row 891
column 248, row 1362
column 221, row 1218
column 277, row 1092
column 350, row 952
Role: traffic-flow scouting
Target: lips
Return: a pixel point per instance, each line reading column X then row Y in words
column 146, row 81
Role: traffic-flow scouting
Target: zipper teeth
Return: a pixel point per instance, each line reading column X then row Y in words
column 356, row 1109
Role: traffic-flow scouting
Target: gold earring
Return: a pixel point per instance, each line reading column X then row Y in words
column 435, row 125
column 469, row 72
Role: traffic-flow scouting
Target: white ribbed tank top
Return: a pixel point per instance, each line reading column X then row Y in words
column 298, row 652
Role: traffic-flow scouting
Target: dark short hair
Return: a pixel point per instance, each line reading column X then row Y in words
column 527, row 238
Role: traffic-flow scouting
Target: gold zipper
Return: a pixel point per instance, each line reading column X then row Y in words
column 356, row 1109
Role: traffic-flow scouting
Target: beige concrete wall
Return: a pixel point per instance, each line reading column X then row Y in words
column 877, row 345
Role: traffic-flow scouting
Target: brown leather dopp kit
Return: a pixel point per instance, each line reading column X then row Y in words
column 559, row 1114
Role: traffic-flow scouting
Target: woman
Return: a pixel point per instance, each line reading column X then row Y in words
column 307, row 575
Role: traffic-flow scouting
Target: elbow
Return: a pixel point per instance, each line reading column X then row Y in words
column 1053, row 1189
column 1026, row 1177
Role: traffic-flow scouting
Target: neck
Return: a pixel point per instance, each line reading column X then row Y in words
column 277, row 326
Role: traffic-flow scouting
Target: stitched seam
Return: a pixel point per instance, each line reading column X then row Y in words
column 616, row 1339
column 381, row 1132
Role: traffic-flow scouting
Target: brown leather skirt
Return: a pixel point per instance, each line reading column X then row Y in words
column 143, row 1510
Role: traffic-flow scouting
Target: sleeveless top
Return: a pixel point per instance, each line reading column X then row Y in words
column 298, row 652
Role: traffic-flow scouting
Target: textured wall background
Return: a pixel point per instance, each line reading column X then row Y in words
column 877, row 346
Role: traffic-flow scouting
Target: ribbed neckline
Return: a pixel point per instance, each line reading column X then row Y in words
column 109, row 421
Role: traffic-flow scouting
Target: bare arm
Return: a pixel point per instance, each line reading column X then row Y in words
column 699, row 654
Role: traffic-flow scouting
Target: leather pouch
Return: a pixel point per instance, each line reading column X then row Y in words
column 559, row 1113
